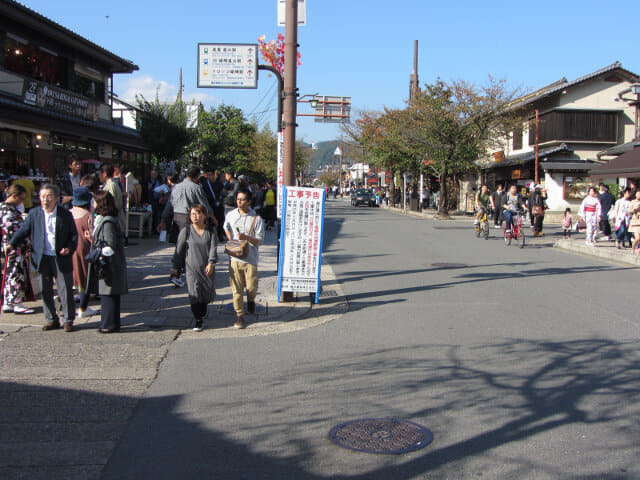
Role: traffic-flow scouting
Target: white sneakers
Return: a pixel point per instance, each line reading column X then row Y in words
column 89, row 312
column 18, row 308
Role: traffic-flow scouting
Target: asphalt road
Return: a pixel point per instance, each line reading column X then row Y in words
column 523, row 363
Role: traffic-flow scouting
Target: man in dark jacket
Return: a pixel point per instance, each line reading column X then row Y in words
column 606, row 202
column 54, row 238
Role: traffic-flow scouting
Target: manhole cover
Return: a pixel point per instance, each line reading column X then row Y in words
column 328, row 293
column 381, row 435
column 449, row 265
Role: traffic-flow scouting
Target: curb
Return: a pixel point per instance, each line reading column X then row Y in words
column 604, row 252
column 302, row 315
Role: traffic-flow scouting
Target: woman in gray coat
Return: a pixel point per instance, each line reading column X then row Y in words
column 113, row 281
column 196, row 254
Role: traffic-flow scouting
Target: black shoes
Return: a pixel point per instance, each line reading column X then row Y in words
column 198, row 326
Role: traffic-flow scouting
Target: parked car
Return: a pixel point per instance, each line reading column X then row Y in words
column 363, row 197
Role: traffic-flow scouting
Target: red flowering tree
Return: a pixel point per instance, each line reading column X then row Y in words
column 272, row 52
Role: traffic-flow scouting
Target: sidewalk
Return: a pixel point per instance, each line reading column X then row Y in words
column 605, row 250
column 66, row 398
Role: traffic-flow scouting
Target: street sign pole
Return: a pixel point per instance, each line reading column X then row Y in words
column 290, row 99
column 290, row 87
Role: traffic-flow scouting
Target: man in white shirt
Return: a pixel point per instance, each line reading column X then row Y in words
column 54, row 238
column 242, row 223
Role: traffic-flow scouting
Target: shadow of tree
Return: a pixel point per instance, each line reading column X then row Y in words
column 490, row 407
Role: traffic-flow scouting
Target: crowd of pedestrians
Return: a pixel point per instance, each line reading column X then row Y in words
column 75, row 239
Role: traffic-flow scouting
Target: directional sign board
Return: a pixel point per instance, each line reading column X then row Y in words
column 227, row 65
column 332, row 109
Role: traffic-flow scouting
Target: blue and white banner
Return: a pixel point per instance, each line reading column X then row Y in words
column 301, row 237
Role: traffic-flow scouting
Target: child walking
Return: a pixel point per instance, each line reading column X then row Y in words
column 567, row 222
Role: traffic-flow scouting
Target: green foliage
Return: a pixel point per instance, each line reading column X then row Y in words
column 224, row 139
column 163, row 128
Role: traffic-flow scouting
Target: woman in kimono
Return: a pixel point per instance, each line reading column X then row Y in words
column 590, row 212
column 196, row 254
column 15, row 279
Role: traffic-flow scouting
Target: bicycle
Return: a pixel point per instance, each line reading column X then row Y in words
column 482, row 227
column 516, row 232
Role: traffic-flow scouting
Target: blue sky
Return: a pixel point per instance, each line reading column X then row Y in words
column 357, row 48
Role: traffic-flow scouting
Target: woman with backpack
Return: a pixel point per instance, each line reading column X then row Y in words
column 196, row 254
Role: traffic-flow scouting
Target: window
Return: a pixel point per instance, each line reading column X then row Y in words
column 517, row 138
column 34, row 62
column 89, row 88
column 576, row 126
column 575, row 188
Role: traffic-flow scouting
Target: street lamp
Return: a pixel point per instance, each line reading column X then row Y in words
column 635, row 89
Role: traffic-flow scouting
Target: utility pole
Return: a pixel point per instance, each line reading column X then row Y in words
column 413, row 85
column 290, row 90
column 180, row 87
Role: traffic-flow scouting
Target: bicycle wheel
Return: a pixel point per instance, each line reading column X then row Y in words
column 485, row 230
column 521, row 239
column 507, row 239
column 478, row 229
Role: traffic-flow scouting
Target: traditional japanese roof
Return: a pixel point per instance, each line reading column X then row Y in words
column 25, row 16
column 565, row 165
column 562, row 84
column 523, row 158
column 619, row 149
column 627, row 163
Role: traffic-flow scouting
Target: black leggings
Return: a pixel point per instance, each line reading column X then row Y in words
column 199, row 310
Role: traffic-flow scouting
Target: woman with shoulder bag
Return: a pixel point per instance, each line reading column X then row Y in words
column 196, row 253
column 108, row 275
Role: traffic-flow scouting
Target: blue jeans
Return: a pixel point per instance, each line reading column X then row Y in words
column 508, row 219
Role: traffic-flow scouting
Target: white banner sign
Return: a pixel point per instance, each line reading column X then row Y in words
column 301, row 240
column 302, row 12
column 280, row 173
column 226, row 65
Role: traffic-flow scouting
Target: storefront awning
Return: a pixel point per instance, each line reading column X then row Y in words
column 626, row 165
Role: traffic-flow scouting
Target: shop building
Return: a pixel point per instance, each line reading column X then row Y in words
column 56, row 91
column 576, row 120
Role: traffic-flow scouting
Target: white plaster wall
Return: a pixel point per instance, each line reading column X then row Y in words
column 554, row 183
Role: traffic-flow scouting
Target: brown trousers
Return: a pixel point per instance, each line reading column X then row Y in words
column 243, row 276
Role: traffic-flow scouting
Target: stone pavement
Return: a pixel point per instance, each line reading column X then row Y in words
column 66, row 398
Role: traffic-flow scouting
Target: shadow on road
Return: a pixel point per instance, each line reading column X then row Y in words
column 590, row 383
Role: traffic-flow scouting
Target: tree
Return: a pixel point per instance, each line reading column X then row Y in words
column 383, row 136
column 224, row 139
column 163, row 128
column 452, row 125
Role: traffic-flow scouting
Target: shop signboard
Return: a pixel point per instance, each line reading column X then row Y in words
column 227, row 65
column 42, row 95
column 301, row 233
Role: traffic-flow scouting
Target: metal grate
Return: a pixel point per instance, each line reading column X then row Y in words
column 381, row 435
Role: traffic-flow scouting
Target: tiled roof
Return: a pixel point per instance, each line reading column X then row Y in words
column 563, row 83
column 18, row 7
column 523, row 158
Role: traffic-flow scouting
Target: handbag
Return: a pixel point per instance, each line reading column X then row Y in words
column 239, row 248
column 537, row 210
